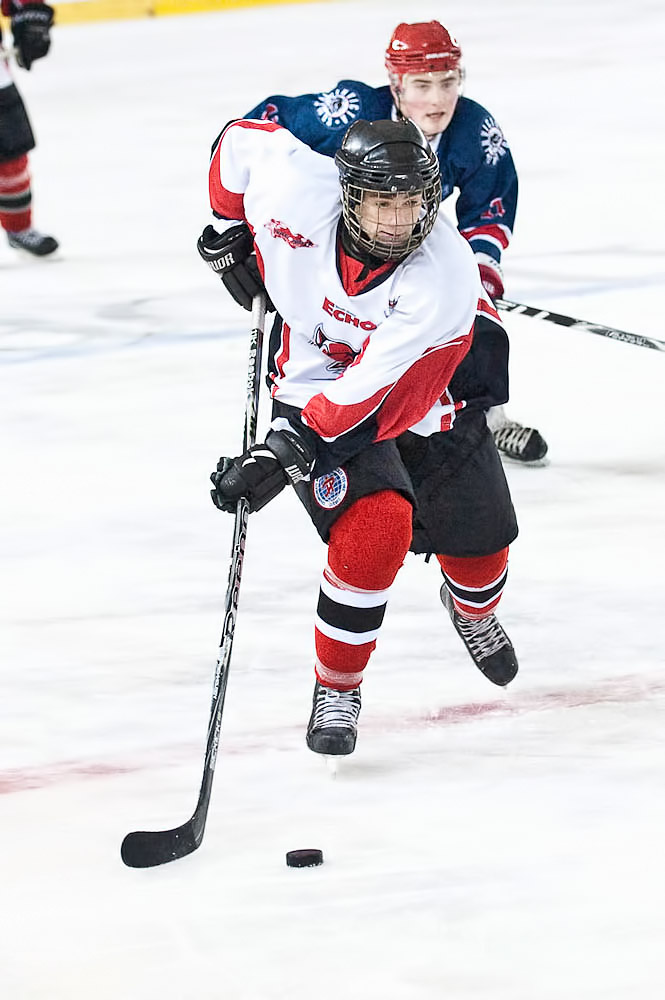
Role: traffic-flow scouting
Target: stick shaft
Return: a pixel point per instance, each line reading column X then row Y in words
column 239, row 534
column 144, row 849
column 637, row 339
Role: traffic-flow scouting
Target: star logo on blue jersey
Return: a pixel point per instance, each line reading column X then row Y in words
column 493, row 141
column 338, row 107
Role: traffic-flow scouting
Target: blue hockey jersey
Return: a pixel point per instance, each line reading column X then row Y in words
column 473, row 154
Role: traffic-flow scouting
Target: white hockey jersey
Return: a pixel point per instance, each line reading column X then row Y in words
column 376, row 353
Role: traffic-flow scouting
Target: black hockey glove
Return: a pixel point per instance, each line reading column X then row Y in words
column 262, row 472
column 231, row 256
column 31, row 27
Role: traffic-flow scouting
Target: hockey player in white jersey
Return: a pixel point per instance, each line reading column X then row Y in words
column 369, row 330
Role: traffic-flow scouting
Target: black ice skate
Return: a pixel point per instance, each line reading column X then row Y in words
column 33, row 242
column 333, row 724
column 522, row 444
column 489, row 647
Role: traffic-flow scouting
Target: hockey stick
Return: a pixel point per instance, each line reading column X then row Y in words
column 579, row 324
column 142, row 849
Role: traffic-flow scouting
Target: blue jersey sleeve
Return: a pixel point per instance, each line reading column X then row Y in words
column 476, row 159
column 320, row 120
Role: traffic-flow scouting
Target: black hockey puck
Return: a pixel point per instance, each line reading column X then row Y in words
column 308, row 857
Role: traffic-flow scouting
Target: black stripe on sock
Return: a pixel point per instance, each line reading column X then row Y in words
column 349, row 619
column 475, row 597
column 14, row 202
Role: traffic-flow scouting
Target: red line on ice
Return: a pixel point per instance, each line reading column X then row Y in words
column 620, row 690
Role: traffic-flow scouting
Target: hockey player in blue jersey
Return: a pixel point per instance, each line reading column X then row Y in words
column 424, row 64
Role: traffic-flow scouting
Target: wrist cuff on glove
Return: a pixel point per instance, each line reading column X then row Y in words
column 292, row 452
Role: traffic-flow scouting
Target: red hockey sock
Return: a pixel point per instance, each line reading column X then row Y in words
column 476, row 583
column 367, row 546
column 15, row 195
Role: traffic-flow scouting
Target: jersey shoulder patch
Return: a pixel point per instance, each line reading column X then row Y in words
column 338, row 107
column 478, row 133
column 493, row 141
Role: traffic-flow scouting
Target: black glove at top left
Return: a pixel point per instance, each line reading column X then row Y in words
column 231, row 256
column 31, row 28
column 262, row 472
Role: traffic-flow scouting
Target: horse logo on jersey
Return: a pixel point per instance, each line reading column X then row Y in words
column 282, row 232
column 330, row 489
column 341, row 355
column 493, row 141
column 338, row 107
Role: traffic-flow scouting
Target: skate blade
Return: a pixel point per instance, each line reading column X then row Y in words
column 332, row 764
column 536, row 463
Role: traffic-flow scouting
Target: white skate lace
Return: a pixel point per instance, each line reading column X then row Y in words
column 338, row 709
column 28, row 237
column 513, row 438
column 484, row 637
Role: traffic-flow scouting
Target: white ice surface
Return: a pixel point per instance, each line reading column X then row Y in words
column 480, row 844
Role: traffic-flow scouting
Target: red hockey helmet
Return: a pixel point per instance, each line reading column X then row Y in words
column 426, row 47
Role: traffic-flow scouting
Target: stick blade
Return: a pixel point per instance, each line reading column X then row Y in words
column 143, row 849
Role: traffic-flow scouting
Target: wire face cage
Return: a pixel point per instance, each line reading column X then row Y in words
column 389, row 223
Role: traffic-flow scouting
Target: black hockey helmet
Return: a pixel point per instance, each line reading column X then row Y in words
column 387, row 157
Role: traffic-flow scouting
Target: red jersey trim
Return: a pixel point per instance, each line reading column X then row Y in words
column 484, row 308
column 252, row 123
column 423, row 384
column 350, row 270
column 230, row 204
column 331, row 420
column 447, row 418
column 283, row 356
column 425, row 381
column 498, row 233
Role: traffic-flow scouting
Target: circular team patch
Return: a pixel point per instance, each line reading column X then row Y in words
column 330, row 490
column 338, row 107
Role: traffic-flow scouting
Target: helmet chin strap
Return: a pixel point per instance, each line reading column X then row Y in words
column 397, row 97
